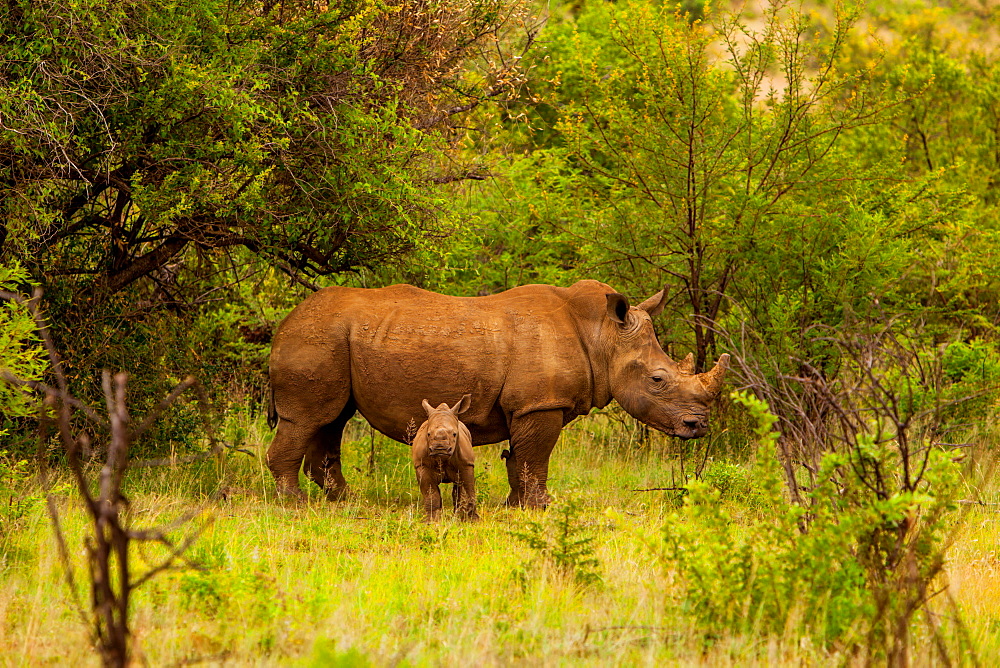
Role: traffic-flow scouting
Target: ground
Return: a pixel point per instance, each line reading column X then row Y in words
column 368, row 582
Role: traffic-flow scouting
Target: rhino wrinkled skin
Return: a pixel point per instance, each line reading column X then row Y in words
column 533, row 358
column 442, row 453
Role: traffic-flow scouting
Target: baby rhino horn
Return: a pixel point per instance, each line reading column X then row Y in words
column 712, row 379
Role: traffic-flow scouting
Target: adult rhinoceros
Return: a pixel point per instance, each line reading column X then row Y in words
column 533, row 358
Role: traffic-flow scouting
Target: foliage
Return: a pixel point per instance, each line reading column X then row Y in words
column 560, row 542
column 654, row 160
column 22, row 498
column 733, row 483
column 21, row 352
column 17, row 499
column 850, row 566
column 215, row 587
column 153, row 155
column 511, row 238
column 945, row 63
column 953, row 126
column 326, row 654
column 299, row 131
column 766, row 577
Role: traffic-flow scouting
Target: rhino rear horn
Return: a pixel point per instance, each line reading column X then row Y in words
column 687, row 364
column 712, row 379
column 654, row 305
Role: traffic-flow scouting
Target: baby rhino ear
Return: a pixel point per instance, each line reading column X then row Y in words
column 462, row 405
column 427, row 407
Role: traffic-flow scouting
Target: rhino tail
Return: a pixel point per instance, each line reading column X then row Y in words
column 272, row 412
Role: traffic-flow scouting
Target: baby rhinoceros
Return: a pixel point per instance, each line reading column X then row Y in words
column 442, row 452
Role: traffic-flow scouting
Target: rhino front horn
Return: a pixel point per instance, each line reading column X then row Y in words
column 712, row 379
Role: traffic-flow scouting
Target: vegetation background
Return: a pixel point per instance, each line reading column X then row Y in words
column 816, row 184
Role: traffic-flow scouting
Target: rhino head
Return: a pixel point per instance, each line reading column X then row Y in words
column 651, row 387
column 443, row 427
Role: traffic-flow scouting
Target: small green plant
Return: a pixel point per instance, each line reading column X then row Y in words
column 326, row 654
column 17, row 497
column 560, row 542
column 733, row 482
column 219, row 584
column 21, row 353
column 431, row 537
column 20, row 495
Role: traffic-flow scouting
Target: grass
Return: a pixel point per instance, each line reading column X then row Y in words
column 367, row 582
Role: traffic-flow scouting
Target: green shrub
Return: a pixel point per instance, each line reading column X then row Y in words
column 757, row 579
column 847, row 567
column 219, row 585
column 18, row 497
column 326, row 654
column 560, row 542
column 21, row 498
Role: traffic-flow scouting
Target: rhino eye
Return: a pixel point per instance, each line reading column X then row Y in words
column 657, row 379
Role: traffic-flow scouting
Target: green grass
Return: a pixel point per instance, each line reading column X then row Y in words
column 367, row 582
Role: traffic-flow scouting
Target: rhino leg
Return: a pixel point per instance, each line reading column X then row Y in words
column 532, row 438
column 285, row 455
column 323, row 458
column 311, row 392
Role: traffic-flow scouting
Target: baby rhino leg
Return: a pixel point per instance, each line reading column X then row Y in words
column 464, row 494
column 430, row 492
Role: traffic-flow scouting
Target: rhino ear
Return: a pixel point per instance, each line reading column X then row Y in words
column 463, row 404
column 687, row 364
column 617, row 307
column 427, row 407
column 654, row 305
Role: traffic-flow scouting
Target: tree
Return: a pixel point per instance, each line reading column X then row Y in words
column 948, row 127
column 690, row 161
column 301, row 131
column 155, row 154
column 710, row 155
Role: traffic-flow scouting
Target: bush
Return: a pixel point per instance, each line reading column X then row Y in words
column 760, row 578
column 17, row 497
column 847, row 567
